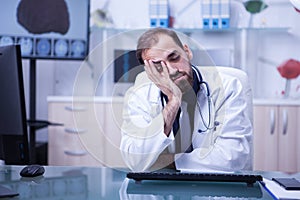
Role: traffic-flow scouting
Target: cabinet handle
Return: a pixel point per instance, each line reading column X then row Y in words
column 74, row 153
column 75, row 130
column 272, row 121
column 285, row 120
column 75, row 109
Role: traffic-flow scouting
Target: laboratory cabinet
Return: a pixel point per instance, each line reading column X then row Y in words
column 90, row 134
column 276, row 136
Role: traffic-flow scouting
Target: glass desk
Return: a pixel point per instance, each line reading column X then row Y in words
column 105, row 183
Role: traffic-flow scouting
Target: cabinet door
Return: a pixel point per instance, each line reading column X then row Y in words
column 287, row 135
column 265, row 140
column 74, row 143
column 93, row 139
column 113, row 122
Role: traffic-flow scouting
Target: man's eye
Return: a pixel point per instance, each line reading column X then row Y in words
column 156, row 62
column 175, row 58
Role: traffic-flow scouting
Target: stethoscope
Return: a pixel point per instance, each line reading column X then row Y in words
column 209, row 124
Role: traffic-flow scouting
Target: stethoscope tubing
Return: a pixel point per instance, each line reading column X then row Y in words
column 209, row 125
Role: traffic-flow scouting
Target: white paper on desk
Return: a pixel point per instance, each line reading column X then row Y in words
column 279, row 192
column 205, row 171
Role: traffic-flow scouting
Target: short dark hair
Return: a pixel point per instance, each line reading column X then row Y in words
column 151, row 37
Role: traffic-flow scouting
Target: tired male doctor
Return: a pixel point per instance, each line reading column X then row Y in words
column 183, row 116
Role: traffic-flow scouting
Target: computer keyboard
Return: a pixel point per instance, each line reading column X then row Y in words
column 183, row 176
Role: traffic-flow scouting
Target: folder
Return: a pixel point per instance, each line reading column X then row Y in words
column 163, row 13
column 215, row 14
column 225, row 13
column 159, row 13
column 153, row 12
column 206, row 10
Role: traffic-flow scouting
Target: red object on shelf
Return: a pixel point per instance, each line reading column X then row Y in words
column 289, row 69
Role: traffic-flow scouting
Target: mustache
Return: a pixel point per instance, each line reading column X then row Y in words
column 178, row 74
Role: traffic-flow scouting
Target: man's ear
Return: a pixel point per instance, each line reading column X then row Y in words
column 188, row 51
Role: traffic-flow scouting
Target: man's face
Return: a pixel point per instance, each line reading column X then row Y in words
column 176, row 59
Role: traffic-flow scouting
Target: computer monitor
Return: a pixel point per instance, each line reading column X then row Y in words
column 126, row 68
column 13, row 124
column 48, row 29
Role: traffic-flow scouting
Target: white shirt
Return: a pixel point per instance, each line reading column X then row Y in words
column 226, row 147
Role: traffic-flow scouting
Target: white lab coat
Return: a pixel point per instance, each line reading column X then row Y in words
column 228, row 147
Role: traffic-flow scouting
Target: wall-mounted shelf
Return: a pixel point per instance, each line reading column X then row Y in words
column 195, row 30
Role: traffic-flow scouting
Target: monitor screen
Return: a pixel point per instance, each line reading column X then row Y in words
column 126, row 66
column 13, row 123
column 46, row 29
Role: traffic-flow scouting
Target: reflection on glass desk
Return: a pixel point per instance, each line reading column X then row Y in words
column 201, row 190
column 105, row 183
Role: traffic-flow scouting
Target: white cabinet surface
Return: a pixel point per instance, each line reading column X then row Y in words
column 90, row 135
column 276, row 137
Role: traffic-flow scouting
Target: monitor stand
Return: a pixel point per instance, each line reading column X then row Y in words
column 33, row 123
column 32, row 109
